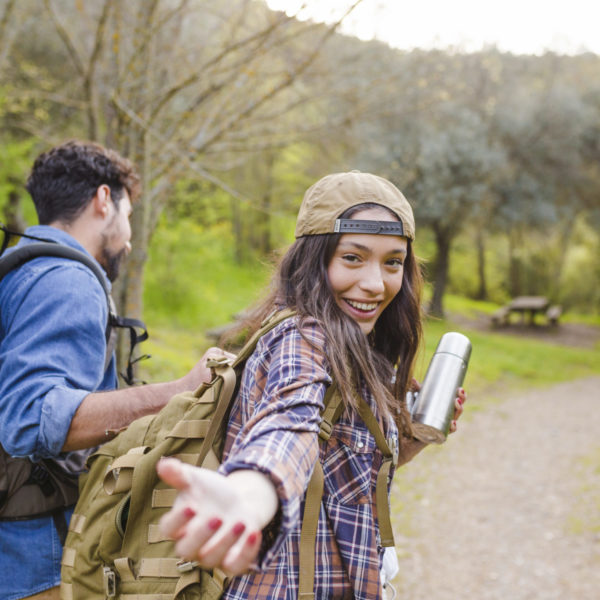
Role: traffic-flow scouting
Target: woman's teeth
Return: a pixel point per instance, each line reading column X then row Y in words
column 362, row 305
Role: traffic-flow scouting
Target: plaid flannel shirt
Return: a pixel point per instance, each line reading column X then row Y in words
column 274, row 428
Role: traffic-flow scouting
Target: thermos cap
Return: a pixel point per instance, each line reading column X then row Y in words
column 455, row 343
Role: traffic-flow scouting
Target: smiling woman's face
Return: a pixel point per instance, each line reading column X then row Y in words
column 366, row 271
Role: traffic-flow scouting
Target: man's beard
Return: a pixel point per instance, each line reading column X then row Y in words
column 111, row 262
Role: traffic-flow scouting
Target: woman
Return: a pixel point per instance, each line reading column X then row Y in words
column 354, row 282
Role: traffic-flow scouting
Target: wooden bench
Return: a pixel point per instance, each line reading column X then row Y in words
column 553, row 314
column 500, row 316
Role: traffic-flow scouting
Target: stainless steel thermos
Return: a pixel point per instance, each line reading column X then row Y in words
column 433, row 406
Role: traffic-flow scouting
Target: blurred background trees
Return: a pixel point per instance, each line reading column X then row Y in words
column 231, row 110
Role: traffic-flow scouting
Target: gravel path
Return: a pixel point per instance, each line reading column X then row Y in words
column 509, row 507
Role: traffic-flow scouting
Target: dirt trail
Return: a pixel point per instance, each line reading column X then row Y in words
column 509, row 507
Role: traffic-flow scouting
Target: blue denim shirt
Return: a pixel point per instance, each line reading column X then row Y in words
column 53, row 316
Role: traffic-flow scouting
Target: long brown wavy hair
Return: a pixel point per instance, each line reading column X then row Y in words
column 385, row 358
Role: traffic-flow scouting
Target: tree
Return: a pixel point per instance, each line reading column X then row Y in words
column 182, row 87
column 452, row 172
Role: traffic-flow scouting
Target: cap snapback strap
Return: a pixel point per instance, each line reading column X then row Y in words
column 376, row 227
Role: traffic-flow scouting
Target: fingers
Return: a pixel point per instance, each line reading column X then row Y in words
column 458, row 409
column 171, row 471
column 198, row 531
column 229, row 538
column 214, row 544
column 216, row 352
column 242, row 556
column 208, row 520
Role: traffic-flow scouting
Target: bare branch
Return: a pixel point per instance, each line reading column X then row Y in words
column 88, row 82
column 5, row 43
column 64, row 36
column 286, row 82
column 260, row 36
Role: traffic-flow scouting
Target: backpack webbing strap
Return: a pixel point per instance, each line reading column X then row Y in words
column 308, row 534
column 66, row 591
column 120, row 474
column 389, row 458
column 228, row 383
column 137, row 334
column 269, row 323
column 314, row 494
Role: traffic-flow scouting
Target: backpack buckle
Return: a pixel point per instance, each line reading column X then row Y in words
column 185, row 566
column 109, row 579
column 325, row 430
column 395, row 448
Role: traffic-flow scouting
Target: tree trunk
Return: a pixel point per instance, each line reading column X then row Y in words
column 566, row 231
column 514, row 266
column 236, row 225
column 13, row 213
column 482, row 292
column 443, row 241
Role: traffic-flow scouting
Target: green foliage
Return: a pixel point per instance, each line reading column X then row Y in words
column 15, row 161
column 192, row 280
column 199, row 201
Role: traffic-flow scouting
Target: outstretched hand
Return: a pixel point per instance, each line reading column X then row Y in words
column 217, row 520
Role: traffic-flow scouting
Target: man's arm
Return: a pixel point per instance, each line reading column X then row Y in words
column 101, row 412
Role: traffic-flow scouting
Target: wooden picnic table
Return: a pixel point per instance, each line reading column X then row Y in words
column 529, row 305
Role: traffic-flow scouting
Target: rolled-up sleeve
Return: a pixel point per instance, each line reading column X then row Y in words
column 279, row 406
column 51, row 356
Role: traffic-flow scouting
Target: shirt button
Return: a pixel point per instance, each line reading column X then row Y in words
column 360, row 445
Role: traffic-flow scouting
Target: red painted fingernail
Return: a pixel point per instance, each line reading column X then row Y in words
column 461, row 401
column 453, row 423
column 189, row 512
column 238, row 529
column 252, row 539
column 215, row 523
column 461, row 390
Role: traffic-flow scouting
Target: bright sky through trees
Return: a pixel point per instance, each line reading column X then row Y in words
column 519, row 26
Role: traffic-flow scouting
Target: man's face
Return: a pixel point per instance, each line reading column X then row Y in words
column 116, row 237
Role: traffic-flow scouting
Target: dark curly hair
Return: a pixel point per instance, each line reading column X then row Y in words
column 64, row 180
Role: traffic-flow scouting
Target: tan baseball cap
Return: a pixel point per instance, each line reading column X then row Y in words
column 332, row 195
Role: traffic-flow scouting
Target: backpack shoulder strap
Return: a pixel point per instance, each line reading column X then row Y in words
column 269, row 323
column 137, row 329
column 333, row 408
column 23, row 254
column 227, row 370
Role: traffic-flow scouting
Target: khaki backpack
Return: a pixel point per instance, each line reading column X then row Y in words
column 114, row 547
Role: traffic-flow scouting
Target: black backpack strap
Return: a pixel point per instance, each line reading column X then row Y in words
column 26, row 253
column 23, row 254
column 137, row 334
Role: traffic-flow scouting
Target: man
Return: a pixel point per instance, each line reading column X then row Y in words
column 56, row 394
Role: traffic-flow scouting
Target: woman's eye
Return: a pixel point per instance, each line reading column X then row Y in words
column 350, row 257
column 395, row 262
